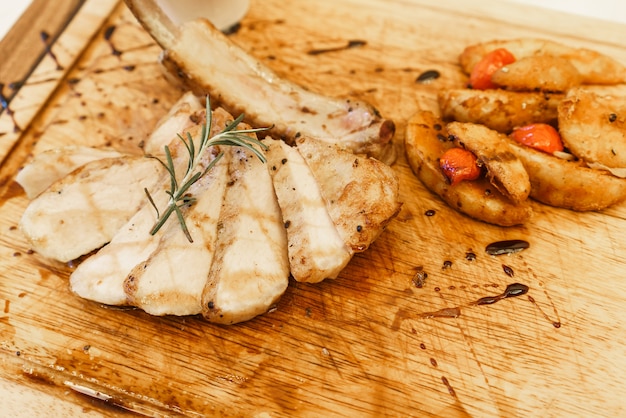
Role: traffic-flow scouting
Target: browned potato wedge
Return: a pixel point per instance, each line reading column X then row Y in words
column 498, row 109
column 594, row 67
column 538, row 73
column 569, row 184
column 504, row 170
column 593, row 127
column 426, row 140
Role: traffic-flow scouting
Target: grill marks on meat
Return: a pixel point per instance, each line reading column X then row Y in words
column 361, row 193
column 54, row 164
column 82, row 211
column 250, row 270
column 101, row 276
column 171, row 279
column 316, row 250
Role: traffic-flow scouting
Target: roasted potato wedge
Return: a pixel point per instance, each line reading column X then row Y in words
column 538, row 73
column 426, row 140
column 593, row 126
column 569, row 184
column 594, row 67
column 500, row 110
column 504, row 170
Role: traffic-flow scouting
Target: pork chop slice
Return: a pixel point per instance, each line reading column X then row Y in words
column 83, row 210
column 184, row 114
column 53, row 164
column 316, row 251
column 250, row 270
column 361, row 193
column 170, row 281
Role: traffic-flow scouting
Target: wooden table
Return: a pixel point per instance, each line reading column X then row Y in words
column 361, row 345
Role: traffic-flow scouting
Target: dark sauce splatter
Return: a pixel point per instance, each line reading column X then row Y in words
column 506, row 247
column 430, row 212
column 446, row 265
column 470, row 256
column 45, row 37
column 508, row 270
column 4, row 104
column 512, row 290
column 451, row 390
column 108, row 35
column 427, row 76
column 612, row 117
column 354, row 43
column 232, row 29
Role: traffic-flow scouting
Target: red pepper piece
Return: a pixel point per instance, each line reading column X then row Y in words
column 459, row 164
column 480, row 78
column 540, row 136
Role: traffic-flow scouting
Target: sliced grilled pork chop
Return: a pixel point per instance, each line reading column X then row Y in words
column 101, row 277
column 54, row 164
column 250, row 270
column 171, row 280
column 82, row 211
column 361, row 193
column 316, row 251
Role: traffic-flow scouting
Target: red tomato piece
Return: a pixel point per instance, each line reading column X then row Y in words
column 459, row 164
column 480, row 78
column 540, row 136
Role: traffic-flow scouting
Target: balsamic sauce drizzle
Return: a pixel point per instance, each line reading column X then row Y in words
column 354, row 43
column 108, row 34
column 506, row 247
column 512, row 290
column 427, row 76
column 45, row 38
column 4, row 105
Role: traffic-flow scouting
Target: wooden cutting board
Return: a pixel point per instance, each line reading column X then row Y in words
column 363, row 344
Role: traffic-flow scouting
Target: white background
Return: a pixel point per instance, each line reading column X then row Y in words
column 615, row 10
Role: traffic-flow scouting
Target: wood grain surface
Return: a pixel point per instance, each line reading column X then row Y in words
column 367, row 343
column 28, row 40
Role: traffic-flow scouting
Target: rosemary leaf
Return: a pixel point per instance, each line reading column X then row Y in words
column 179, row 197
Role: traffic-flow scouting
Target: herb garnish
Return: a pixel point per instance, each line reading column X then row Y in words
column 179, row 197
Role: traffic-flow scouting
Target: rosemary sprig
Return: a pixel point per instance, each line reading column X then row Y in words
column 179, row 197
